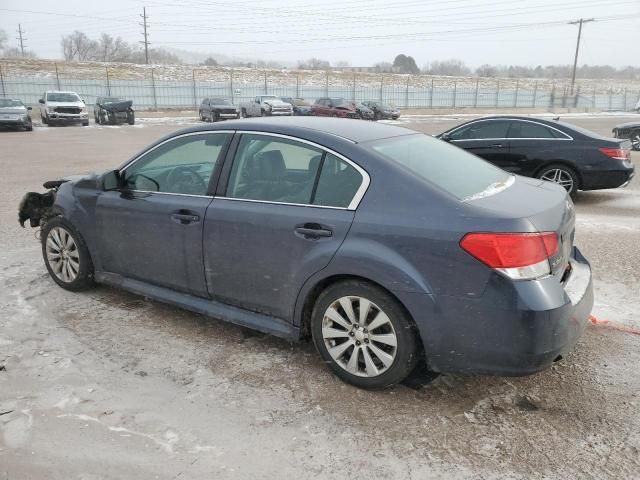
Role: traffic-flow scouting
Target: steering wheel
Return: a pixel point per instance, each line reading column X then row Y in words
column 185, row 179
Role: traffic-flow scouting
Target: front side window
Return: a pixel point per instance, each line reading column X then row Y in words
column 529, row 130
column 183, row 165
column 286, row 171
column 489, row 129
column 446, row 166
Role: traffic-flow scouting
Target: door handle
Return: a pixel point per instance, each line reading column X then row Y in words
column 313, row 231
column 497, row 145
column 184, row 218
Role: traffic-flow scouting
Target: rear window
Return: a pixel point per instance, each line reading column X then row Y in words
column 452, row 169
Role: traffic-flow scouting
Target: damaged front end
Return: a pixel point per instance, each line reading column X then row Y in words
column 38, row 207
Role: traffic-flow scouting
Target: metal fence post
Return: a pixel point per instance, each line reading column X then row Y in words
column 577, row 97
column 381, row 84
column 475, row 98
column 354, row 87
column 265, row 82
column 455, row 91
column 297, row 85
column 552, row 97
column 610, row 99
column 515, row 99
column 57, row 76
column 195, row 98
column 231, row 84
column 497, row 93
column 406, row 93
column 326, row 84
column 431, row 94
column 564, row 97
column 625, row 100
column 153, row 87
column 535, row 94
column 106, row 68
column 593, row 100
column 4, row 93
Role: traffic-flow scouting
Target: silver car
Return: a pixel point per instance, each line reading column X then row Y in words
column 14, row 113
column 63, row 108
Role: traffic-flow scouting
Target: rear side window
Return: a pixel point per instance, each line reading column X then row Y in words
column 448, row 167
column 529, row 130
column 482, row 130
column 338, row 183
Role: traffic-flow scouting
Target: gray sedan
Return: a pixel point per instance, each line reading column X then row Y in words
column 386, row 246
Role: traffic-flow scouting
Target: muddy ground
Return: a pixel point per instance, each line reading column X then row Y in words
column 107, row 385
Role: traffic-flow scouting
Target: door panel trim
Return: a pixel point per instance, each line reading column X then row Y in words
column 282, row 203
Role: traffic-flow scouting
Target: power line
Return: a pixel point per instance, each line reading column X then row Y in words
column 21, row 39
column 578, row 22
column 145, row 34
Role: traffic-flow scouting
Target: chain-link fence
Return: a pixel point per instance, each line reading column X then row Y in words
column 155, row 93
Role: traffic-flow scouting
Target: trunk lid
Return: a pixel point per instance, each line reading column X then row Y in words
column 546, row 206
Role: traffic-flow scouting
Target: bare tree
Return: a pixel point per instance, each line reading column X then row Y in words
column 314, row 64
column 112, row 49
column 77, row 46
column 17, row 52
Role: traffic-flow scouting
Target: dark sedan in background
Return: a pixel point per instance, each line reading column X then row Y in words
column 300, row 106
column 573, row 157
column 216, row 109
column 113, row 110
column 382, row 111
column 630, row 131
column 15, row 114
column 386, row 245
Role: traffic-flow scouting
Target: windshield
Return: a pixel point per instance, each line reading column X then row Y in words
column 299, row 102
column 220, row 101
column 62, row 97
column 338, row 101
column 10, row 103
column 112, row 100
column 452, row 169
column 269, row 97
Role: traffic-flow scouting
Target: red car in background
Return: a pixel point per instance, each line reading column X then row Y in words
column 334, row 107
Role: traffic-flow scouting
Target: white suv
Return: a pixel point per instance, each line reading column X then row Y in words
column 63, row 107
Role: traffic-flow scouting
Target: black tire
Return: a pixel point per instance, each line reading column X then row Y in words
column 45, row 120
column 243, row 113
column 29, row 127
column 566, row 170
column 85, row 123
column 131, row 118
column 377, row 116
column 406, row 351
column 84, row 277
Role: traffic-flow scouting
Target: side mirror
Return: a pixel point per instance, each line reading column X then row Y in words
column 445, row 137
column 41, row 101
column 29, row 108
column 111, row 181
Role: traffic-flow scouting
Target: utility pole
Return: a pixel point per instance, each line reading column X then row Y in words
column 21, row 39
column 145, row 34
column 575, row 60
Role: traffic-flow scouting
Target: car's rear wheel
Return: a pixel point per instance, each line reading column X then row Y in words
column 243, row 113
column 66, row 255
column 562, row 175
column 364, row 334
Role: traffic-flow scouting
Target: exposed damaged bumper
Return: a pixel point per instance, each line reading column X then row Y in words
column 38, row 207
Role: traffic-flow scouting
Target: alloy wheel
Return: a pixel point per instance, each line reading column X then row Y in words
column 559, row 176
column 635, row 142
column 62, row 254
column 359, row 336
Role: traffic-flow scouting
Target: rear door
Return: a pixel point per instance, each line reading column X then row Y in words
column 484, row 138
column 151, row 228
column 532, row 144
column 287, row 208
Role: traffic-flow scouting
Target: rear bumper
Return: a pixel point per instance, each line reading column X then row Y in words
column 598, row 180
column 515, row 328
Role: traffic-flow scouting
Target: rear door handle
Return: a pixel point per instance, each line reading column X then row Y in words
column 497, row 145
column 313, row 230
column 185, row 218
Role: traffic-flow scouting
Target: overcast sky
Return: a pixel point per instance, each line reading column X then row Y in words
column 362, row 32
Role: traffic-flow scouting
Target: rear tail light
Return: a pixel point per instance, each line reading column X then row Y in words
column 617, row 153
column 521, row 256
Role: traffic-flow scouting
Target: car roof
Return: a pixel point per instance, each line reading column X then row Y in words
column 60, row 91
column 356, row 131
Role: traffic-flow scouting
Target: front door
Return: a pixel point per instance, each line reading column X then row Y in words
column 151, row 228
column 287, row 208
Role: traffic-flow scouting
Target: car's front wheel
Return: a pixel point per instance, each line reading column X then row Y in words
column 635, row 140
column 66, row 255
column 562, row 175
column 364, row 334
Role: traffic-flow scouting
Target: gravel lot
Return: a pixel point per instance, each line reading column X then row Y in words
column 107, row 385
